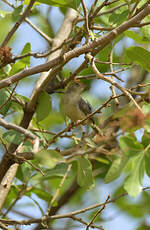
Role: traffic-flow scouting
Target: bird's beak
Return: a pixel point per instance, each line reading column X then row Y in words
column 82, row 85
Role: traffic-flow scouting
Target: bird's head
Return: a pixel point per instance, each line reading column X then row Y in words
column 75, row 87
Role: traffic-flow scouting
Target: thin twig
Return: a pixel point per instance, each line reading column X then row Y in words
column 99, row 211
column 18, row 196
column 86, row 21
column 95, row 47
column 5, row 146
column 99, row 8
column 102, row 28
column 11, row 94
column 48, row 39
column 113, row 63
column 110, row 10
column 101, row 76
column 141, row 8
column 112, row 70
column 93, row 7
column 68, row 42
column 18, row 128
column 17, row 24
column 58, row 189
column 104, row 12
column 133, row 8
column 3, row 226
column 23, row 159
column 42, row 131
column 83, row 222
column 142, row 24
column 71, row 126
column 67, row 215
column 31, row 24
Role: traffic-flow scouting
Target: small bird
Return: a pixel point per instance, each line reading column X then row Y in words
column 74, row 106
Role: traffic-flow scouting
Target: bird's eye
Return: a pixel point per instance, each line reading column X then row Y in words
column 77, row 84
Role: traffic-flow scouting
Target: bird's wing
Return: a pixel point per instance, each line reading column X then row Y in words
column 85, row 107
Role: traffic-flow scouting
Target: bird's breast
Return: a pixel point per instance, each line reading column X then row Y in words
column 71, row 108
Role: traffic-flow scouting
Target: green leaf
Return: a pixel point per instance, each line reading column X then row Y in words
column 7, row 69
column 116, row 168
column 147, row 125
column 26, row 49
column 54, row 118
column 44, row 106
column 85, row 177
column 147, row 163
column 42, row 194
column 100, row 159
column 92, row 35
column 49, row 158
column 146, row 31
column 136, row 210
column 5, row 24
column 135, row 36
column 129, row 145
column 133, row 183
column 23, row 63
column 118, row 18
column 139, row 56
column 16, row 13
column 38, row 204
column 146, row 139
column 4, row 95
column 141, row 3
column 19, row 173
column 24, row 172
column 61, row 3
column 103, row 56
column 12, row 195
column 26, row 2
column 13, row 136
column 4, row 72
column 17, row 67
column 22, row 98
column 58, row 171
column 146, row 108
column 4, row 13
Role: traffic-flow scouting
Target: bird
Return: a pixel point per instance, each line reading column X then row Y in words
column 74, row 106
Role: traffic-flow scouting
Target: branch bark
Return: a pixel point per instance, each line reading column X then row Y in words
column 26, row 132
column 16, row 26
column 56, row 61
column 8, row 161
column 95, row 47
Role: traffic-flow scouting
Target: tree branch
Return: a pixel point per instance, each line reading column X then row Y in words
column 95, row 46
column 16, row 26
column 18, row 128
column 67, row 215
column 64, row 31
column 6, row 182
column 31, row 24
